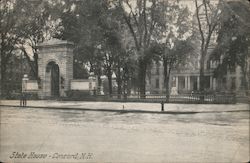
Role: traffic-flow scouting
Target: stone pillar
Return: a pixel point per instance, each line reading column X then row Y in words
column 176, row 82
column 188, row 82
column 214, row 84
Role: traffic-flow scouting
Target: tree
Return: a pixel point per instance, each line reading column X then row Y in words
column 9, row 34
column 81, row 71
column 96, row 27
column 177, row 42
column 144, row 19
column 208, row 16
column 172, row 57
column 125, row 68
column 233, row 40
column 113, row 49
column 39, row 26
column 81, row 23
column 25, row 23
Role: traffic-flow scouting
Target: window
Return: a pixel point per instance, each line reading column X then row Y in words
column 207, row 82
column 233, row 84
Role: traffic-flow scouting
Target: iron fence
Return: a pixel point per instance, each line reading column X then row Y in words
column 182, row 98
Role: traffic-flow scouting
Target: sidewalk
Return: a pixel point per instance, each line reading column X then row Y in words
column 129, row 106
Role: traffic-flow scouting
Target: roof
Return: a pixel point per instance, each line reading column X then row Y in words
column 55, row 42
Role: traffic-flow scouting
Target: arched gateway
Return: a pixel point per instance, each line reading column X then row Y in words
column 55, row 62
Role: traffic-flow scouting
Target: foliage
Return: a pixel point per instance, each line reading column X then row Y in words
column 9, row 34
column 122, row 37
column 146, row 22
column 96, row 28
column 208, row 15
column 233, row 40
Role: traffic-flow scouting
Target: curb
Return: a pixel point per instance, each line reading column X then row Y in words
column 127, row 111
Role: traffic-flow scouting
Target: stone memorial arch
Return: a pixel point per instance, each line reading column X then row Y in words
column 55, row 68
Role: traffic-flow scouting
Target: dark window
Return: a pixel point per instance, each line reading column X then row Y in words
column 207, row 82
column 157, row 83
column 233, row 84
column 181, row 82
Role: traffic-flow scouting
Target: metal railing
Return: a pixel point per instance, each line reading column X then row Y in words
column 182, row 98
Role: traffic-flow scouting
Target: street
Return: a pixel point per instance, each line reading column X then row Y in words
column 64, row 135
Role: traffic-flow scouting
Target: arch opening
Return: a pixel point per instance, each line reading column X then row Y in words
column 52, row 69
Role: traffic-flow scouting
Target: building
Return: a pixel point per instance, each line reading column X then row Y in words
column 185, row 79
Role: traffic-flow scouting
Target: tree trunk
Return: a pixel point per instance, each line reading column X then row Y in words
column 125, row 82
column 202, row 76
column 166, row 78
column 142, row 78
column 167, row 87
column 2, row 66
column 119, row 82
column 32, row 64
column 245, row 81
column 36, row 64
column 109, row 74
column 99, row 81
column 3, row 74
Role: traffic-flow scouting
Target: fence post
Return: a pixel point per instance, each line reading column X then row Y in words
column 162, row 106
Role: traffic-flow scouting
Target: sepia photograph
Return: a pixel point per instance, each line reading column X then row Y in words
column 115, row 81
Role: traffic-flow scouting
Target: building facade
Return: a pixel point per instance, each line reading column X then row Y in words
column 187, row 80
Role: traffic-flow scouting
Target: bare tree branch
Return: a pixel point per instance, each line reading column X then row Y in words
column 199, row 22
column 128, row 22
column 145, row 22
column 206, row 14
column 133, row 14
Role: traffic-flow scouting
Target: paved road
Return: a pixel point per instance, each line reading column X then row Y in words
column 48, row 135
